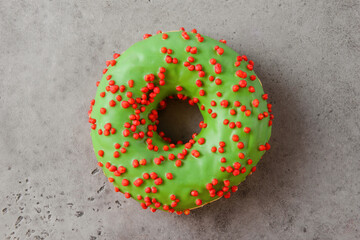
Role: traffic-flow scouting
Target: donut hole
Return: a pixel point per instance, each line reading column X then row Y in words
column 178, row 120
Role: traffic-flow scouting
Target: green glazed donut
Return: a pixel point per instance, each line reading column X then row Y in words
column 139, row 161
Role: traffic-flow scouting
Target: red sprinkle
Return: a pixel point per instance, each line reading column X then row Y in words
column 241, row 74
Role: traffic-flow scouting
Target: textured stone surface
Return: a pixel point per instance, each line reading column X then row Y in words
column 307, row 55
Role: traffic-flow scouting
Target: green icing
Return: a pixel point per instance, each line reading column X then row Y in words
column 145, row 57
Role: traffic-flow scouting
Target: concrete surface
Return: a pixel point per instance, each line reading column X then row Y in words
column 307, row 55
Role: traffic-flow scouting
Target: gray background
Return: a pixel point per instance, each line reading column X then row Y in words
column 307, row 55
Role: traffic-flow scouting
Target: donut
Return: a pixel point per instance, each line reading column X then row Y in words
column 141, row 162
